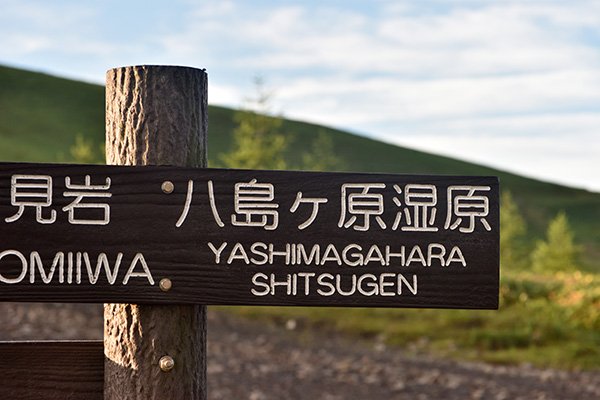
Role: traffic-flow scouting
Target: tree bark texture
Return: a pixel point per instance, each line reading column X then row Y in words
column 155, row 115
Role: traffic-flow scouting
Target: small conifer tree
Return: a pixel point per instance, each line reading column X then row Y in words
column 512, row 232
column 258, row 142
column 558, row 252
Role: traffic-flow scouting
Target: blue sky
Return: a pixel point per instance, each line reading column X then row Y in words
column 511, row 84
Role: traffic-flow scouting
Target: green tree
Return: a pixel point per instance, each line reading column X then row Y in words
column 84, row 151
column 558, row 252
column 321, row 156
column 258, row 141
column 512, row 232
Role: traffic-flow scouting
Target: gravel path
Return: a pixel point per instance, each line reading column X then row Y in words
column 253, row 361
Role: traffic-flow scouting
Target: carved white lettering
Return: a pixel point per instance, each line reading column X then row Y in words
column 374, row 255
column 72, row 268
column 254, row 249
column 255, row 281
column 238, row 253
column 326, row 284
column 383, row 284
column 370, row 285
column 111, row 275
column 36, row 260
column 431, row 254
column 305, row 259
column 321, row 281
column 456, row 255
column 356, row 257
column 139, row 257
column 416, row 254
column 331, row 254
column 340, row 290
column 23, row 261
column 217, row 251
column 402, row 280
column 350, row 255
column 306, row 276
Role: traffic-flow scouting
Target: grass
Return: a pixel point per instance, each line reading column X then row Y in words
column 41, row 115
column 548, row 321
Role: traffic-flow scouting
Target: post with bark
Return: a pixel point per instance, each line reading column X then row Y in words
column 155, row 115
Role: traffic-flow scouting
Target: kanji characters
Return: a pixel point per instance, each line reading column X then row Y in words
column 31, row 191
column 82, row 194
column 36, row 191
column 315, row 209
column 465, row 208
column 358, row 201
column 423, row 200
column 187, row 204
column 413, row 206
column 213, row 204
column 254, row 203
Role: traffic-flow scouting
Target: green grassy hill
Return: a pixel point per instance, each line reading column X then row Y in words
column 40, row 116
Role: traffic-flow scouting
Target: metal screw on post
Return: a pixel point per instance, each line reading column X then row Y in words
column 165, row 284
column 155, row 115
column 167, row 187
column 166, row 363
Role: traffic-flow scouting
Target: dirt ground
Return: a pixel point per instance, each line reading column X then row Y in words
column 254, row 361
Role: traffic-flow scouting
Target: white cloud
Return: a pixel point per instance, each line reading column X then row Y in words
column 465, row 42
column 403, row 101
column 504, row 73
column 563, row 160
column 224, row 94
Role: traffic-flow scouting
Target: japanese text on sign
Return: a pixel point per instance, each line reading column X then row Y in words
column 276, row 235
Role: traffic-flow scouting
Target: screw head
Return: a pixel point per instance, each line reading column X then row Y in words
column 166, row 363
column 165, row 284
column 167, row 187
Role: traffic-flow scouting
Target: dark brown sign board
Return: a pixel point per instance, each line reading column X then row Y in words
column 92, row 233
column 52, row 370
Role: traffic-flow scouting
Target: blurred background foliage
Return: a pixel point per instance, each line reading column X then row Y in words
column 550, row 236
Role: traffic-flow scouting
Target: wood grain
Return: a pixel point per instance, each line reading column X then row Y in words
column 143, row 219
column 51, row 370
column 155, row 115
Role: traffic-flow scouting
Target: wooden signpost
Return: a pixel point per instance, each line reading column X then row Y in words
column 168, row 239
column 170, row 235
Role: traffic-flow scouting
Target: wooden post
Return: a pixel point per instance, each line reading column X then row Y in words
column 155, row 115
